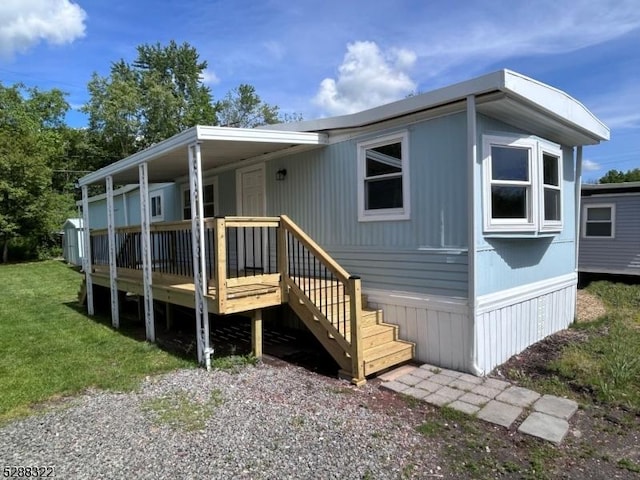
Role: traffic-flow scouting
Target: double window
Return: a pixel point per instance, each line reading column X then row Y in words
column 383, row 178
column 209, row 194
column 522, row 185
column 598, row 220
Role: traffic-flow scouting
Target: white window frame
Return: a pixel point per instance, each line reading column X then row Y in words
column 585, row 210
column 207, row 181
column 160, row 196
column 554, row 151
column 534, row 222
column 384, row 214
column 528, row 224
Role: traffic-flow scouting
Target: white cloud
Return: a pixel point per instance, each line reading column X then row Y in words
column 590, row 166
column 367, row 77
column 618, row 108
column 209, row 77
column 483, row 35
column 25, row 23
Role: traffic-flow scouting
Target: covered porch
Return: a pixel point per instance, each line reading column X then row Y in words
column 233, row 264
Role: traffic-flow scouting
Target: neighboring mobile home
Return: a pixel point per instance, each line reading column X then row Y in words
column 453, row 211
column 610, row 229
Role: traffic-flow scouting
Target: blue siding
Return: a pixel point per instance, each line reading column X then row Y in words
column 503, row 263
column 320, row 194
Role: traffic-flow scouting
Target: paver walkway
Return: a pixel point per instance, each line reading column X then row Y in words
column 491, row 400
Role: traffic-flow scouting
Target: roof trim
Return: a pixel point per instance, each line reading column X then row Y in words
column 611, row 188
column 201, row 133
column 526, row 90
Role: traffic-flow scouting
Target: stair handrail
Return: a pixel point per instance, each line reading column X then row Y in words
column 351, row 286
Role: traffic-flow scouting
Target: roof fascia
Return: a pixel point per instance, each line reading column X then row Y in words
column 184, row 138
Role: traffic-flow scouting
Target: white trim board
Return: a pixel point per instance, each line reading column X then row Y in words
column 417, row 300
column 511, row 296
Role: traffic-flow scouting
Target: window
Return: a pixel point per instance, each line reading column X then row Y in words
column 522, row 184
column 599, row 221
column 157, row 211
column 383, row 176
column 209, row 192
column 551, row 189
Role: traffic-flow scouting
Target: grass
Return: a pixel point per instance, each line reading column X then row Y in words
column 50, row 348
column 608, row 362
column 179, row 411
column 233, row 363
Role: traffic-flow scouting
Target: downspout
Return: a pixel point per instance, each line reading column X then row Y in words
column 578, row 203
column 472, row 157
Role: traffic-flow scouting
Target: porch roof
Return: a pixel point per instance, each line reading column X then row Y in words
column 219, row 146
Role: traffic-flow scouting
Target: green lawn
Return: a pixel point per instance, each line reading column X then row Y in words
column 49, row 347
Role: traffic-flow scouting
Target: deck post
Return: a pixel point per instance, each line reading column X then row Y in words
column 146, row 252
column 113, row 271
column 283, row 260
column 199, row 255
column 86, row 259
column 221, row 264
column 256, row 333
column 355, row 311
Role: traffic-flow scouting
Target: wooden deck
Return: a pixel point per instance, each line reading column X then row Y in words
column 249, row 264
column 244, row 297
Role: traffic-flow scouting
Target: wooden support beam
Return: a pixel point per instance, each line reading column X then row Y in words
column 221, row 263
column 283, row 261
column 169, row 315
column 357, row 353
column 256, row 333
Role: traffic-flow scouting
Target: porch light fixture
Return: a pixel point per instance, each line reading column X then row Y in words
column 281, row 174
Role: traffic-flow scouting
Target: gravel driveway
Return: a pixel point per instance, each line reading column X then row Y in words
column 271, row 421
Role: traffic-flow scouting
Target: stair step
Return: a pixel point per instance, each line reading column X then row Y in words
column 387, row 355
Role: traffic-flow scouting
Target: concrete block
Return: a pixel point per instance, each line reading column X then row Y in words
column 429, row 386
column 464, row 407
column 545, row 426
column 451, row 373
column 486, row 391
column 394, row 386
column 556, row 406
column 422, row 373
column 462, row 385
column 397, row 373
column 416, row 393
column 518, row 396
column 474, row 399
column 495, row 383
column 499, row 413
column 409, row 379
column 450, row 393
column 441, row 379
column 437, row 400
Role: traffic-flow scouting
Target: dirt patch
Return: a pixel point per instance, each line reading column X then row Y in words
column 589, row 307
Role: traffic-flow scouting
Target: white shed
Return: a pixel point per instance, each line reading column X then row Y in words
column 72, row 241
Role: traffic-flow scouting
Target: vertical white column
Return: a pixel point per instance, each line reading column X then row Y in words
column 199, row 255
column 146, row 252
column 113, row 271
column 86, row 260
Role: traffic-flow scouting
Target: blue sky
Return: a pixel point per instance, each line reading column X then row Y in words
column 321, row 58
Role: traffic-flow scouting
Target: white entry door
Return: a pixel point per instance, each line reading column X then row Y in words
column 251, row 203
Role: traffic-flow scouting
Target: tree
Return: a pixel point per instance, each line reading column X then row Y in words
column 31, row 122
column 160, row 94
column 243, row 107
column 617, row 176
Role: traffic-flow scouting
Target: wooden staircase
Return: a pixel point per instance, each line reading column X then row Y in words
column 329, row 302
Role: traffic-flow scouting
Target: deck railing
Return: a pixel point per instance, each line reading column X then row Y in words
column 250, row 247
column 326, row 288
column 244, row 250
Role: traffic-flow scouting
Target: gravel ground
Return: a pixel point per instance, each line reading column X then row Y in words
column 590, row 307
column 270, row 421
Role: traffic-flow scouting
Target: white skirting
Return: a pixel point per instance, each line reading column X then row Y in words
column 437, row 325
column 506, row 322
